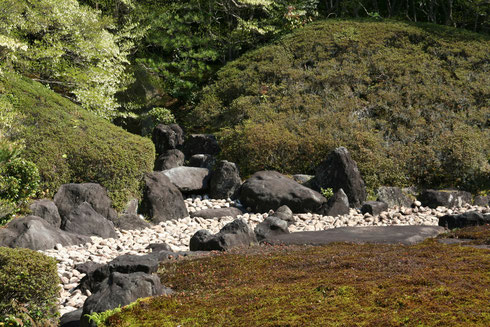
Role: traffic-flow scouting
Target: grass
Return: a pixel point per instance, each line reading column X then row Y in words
column 429, row 284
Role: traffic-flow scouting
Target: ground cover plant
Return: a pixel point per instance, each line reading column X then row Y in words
column 429, row 284
column 409, row 101
column 69, row 144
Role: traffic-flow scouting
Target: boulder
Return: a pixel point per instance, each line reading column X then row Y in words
column 131, row 222
column 284, row 213
column 225, row 180
column 131, row 207
column 201, row 144
column 167, row 137
column 202, row 161
column 71, row 319
column 482, row 201
column 271, row 226
column 47, row 210
column 158, row 247
column 339, row 171
column 302, row 179
column 268, row 190
column 120, row 290
column 337, row 205
column 88, row 267
column 84, row 220
column 393, row 196
column 373, row 207
column 189, row 179
column 471, row 218
column 162, row 200
column 170, row 159
column 444, row 198
column 70, row 196
column 218, row 213
column 234, row 234
column 37, row 234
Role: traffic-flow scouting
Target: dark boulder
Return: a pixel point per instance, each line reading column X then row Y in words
column 71, row 319
column 158, row 247
column 120, row 290
column 444, row 198
column 225, row 180
column 373, row 207
column 337, row 205
column 131, row 207
column 218, row 213
column 482, row 201
column 284, row 213
column 393, row 196
column 201, row 144
column 471, row 218
column 37, row 234
column 162, row 200
column 70, row 196
column 202, row 161
column 268, row 190
column 170, row 159
column 271, row 226
column 84, row 220
column 88, row 267
column 47, row 210
column 167, row 137
column 234, row 234
column 189, row 179
column 302, row 179
column 339, row 171
column 131, row 222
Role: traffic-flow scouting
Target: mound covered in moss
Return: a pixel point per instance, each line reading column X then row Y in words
column 69, row 144
column 411, row 103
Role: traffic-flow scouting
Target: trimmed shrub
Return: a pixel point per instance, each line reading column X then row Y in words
column 28, row 287
column 409, row 101
column 70, row 144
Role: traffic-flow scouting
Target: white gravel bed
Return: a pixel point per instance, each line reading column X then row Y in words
column 177, row 234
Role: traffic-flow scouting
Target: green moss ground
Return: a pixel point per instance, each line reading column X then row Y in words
column 429, row 284
column 69, row 144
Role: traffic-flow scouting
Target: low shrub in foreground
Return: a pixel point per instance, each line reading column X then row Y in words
column 28, row 287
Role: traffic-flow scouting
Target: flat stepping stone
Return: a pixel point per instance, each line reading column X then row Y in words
column 373, row 234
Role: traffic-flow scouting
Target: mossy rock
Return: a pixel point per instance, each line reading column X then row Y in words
column 69, row 144
column 409, row 101
column 28, row 286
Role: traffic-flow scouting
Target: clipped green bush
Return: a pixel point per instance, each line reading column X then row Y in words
column 409, row 101
column 28, row 287
column 70, row 144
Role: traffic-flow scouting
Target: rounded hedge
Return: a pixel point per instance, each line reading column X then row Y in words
column 410, row 102
column 71, row 145
column 28, row 286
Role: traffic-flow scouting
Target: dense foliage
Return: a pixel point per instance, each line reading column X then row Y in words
column 69, row 47
column 70, row 144
column 335, row 285
column 28, row 287
column 411, row 102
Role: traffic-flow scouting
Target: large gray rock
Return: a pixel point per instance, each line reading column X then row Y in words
column 37, row 234
column 271, row 226
column 268, row 190
column 444, row 198
column 131, row 222
column 393, row 196
column 472, row 218
column 162, row 200
column 374, row 208
column 167, row 137
column 202, row 161
column 71, row 319
column 70, row 196
column 225, row 180
column 218, row 213
column 120, row 290
column 84, row 220
column 201, row 144
column 47, row 210
column 170, row 159
column 337, row 205
column 234, row 234
column 189, row 179
column 339, row 171
column 482, row 201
